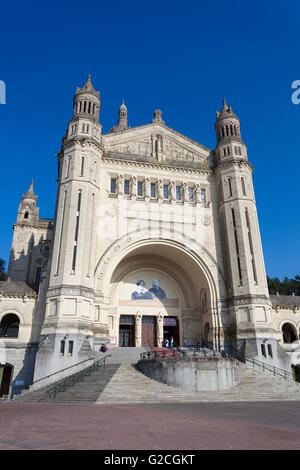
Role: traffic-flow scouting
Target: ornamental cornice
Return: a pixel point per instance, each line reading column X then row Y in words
column 17, row 296
column 83, row 142
column 248, row 300
column 230, row 163
column 29, row 227
column 122, row 164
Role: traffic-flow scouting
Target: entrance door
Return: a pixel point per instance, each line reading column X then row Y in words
column 5, row 376
column 171, row 330
column 148, row 332
column 125, row 338
column 126, row 331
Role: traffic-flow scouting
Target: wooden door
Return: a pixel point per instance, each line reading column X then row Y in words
column 149, row 332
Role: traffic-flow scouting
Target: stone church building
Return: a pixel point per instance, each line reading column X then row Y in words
column 155, row 236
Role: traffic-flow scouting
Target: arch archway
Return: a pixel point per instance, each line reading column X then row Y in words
column 289, row 333
column 9, row 326
column 193, row 274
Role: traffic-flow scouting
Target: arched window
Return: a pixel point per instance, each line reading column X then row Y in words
column 288, row 333
column 82, row 166
column 95, row 171
column 26, row 215
column 9, row 326
column 229, row 187
column 243, row 186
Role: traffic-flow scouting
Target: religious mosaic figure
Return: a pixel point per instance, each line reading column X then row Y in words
column 141, row 292
column 156, row 290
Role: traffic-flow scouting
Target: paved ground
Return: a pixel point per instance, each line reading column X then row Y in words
column 210, row 426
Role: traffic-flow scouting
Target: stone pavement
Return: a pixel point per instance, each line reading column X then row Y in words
column 201, row 426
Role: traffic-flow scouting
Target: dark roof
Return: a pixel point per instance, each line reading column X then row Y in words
column 285, row 301
column 16, row 289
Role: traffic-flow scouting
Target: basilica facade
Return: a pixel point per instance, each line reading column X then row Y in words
column 155, row 236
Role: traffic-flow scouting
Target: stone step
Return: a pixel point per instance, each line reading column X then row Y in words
column 122, row 355
column 123, row 383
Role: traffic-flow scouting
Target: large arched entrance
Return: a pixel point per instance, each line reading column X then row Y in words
column 288, row 333
column 159, row 289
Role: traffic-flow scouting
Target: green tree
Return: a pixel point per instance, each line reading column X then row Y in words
column 3, row 275
column 285, row 287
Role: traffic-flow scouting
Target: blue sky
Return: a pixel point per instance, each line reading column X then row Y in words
column 180, row 57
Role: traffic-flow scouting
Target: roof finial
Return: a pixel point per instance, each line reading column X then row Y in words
column 30, row 192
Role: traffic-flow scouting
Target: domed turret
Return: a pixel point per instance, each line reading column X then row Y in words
column 85, row 121
column 229, row 141
column 122, row 121
column 227, row 123
column 87, row 101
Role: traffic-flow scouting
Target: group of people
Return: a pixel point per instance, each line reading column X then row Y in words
column 168, row 344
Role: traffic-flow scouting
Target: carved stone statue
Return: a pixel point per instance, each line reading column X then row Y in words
column 158, row 147
column 197, row 193
column 134, row 186
column 185, row 192
column 160, row 188
column 173, row 191
column 160, row 328
column 138, row 329
column 120, row 184
column 147, row 187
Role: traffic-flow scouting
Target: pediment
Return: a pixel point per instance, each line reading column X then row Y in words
column 159, row 144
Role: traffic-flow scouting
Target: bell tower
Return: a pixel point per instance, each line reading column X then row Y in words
column 28, row 212
column 248, row 297
column 67, row 333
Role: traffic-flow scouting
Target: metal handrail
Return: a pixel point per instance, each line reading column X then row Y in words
column 158, row 354
column 268, row 367
column 72, row 379
column 172, row 353
column 264, row 366
column 62, row 370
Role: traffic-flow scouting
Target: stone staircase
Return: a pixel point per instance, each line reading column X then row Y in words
column 124, row 384
column 122, row 355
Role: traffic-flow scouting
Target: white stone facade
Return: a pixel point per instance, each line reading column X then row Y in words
column 154, row 236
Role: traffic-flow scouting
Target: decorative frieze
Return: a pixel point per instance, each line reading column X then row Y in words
column 249, row 299
column 73, row 291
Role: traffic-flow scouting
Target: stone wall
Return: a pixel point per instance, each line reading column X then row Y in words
column 193, row 374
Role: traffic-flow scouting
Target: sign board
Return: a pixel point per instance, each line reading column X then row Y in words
column 188, row 342
column 19, row 382
column 170, row 321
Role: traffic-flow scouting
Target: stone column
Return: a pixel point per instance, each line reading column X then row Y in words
column 160, row 329
column 138, row 329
